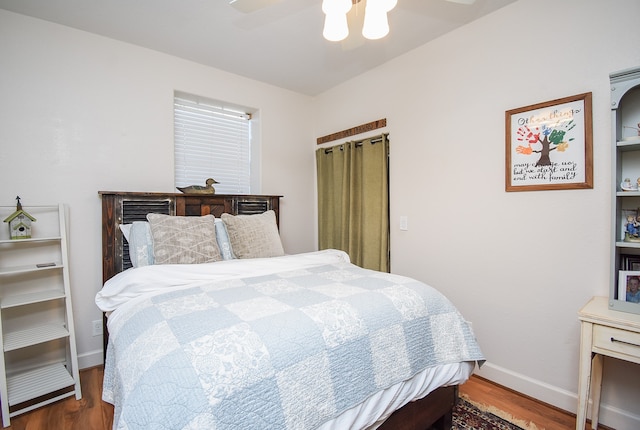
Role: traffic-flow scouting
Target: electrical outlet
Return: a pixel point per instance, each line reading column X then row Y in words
column 96, row 327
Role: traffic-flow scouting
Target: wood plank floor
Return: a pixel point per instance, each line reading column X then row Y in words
column 91, row 413
column 523, row 408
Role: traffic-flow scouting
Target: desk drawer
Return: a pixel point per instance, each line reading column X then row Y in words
column 617, row 341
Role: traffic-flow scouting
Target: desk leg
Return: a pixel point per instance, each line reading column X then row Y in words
column 584, row 375
column 596, row 387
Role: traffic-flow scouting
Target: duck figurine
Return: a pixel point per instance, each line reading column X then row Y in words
column 199, row 189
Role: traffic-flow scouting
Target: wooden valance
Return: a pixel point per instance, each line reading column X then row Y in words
column 353, row 131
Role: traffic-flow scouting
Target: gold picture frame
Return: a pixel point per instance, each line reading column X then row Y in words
column 549, row 145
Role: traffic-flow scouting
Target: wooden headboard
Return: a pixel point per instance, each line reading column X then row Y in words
column 126, row 207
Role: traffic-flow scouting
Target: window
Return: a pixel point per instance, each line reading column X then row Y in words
column 212, row 141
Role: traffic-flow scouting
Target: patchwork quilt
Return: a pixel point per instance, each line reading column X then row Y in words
column 284, row 350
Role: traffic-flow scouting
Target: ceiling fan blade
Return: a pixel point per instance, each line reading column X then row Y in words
column 248, row 6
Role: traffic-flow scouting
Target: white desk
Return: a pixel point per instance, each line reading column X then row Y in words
column 603, row 332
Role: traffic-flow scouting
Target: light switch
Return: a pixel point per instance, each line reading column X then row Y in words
column 404, row 222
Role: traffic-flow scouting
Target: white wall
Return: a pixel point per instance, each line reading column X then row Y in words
column 81, row 113
column 90, row 114
column 518, row 265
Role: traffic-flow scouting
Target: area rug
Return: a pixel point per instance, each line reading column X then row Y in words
column 467, row 416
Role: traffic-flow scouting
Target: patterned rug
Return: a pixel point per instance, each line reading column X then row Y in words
column 467, row 416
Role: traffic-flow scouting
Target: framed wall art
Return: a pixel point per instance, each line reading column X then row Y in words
column 550, row 145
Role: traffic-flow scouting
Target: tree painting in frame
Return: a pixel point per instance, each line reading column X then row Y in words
column 550, row 145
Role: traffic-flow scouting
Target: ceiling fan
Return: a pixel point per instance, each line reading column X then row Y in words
column 249, row 6
column 337, row 22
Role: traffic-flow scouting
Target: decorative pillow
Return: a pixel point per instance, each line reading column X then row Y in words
column 254, row 236
column 183, row 239
column 222, row 237
column 126, row 230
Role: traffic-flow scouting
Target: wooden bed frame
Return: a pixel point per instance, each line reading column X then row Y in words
column 432, row 412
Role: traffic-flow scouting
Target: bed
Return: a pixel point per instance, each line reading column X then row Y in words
column 244, row 336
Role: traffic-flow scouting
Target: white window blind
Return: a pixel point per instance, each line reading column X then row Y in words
column 212, row 141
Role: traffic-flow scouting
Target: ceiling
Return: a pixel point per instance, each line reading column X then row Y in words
column 281, row 44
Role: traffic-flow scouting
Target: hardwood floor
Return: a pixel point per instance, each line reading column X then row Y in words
column 526, row 409
column 91, row 413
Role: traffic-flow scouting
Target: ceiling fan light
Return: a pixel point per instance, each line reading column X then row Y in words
column 376, row 24
column 335, row 27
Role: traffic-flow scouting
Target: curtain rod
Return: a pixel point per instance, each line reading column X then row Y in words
column 373, row 140
column 363, row 128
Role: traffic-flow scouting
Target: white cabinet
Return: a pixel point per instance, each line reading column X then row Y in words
column 604, row 332
column 625, row 119
column 38, row 364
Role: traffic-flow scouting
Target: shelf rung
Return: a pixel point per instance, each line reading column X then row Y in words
column 33, row 336
column 37, row 382
column 33, row 239
column 28, row 268
column 29, row 298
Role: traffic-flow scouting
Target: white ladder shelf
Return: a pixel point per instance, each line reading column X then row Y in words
column 38, row 363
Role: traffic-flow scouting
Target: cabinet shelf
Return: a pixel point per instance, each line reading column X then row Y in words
column 34, row 336
column 627, row 193
column 635, row 245
column 37, row 382
column 628, row 146
column 625, row 164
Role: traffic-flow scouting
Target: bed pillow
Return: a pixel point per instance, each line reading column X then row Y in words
column 254, row 236
column 222, row 237
column 183, row 239
column 140, row 244
column 126, row 230
column 138, row 236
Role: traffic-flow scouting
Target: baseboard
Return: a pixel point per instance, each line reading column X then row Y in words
column 90, row 359
column 610, row 416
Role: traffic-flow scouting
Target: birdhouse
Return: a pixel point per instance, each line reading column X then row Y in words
column 19, row 223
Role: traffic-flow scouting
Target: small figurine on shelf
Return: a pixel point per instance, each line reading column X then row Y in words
column 19, row 223
column 632, row 229
column 626, row 185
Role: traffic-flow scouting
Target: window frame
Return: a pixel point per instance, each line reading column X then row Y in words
column 217, row 110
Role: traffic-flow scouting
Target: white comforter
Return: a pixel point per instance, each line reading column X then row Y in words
column 134, row 283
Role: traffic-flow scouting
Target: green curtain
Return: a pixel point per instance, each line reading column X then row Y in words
column 353, row 201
